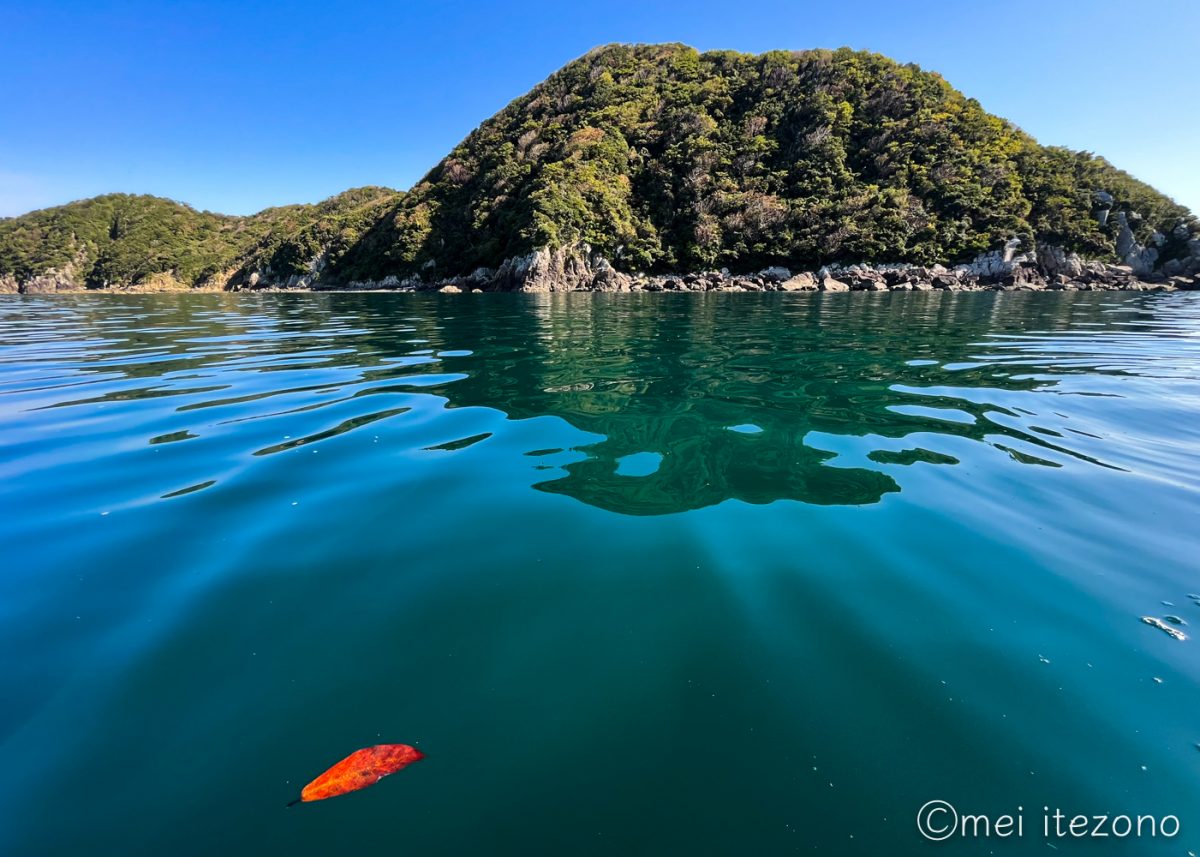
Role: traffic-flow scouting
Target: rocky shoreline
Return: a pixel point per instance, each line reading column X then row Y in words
column 1162, row 263
column 577, row 268
column 852, row 278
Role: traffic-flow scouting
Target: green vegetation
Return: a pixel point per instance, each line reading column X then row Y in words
column 126, row 240
column 120, row 239
column 300, row 234
column 661, row 158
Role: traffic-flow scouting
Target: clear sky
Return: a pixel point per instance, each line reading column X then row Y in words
column 235, row 106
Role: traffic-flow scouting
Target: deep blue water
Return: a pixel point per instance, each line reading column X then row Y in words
column 662, row 574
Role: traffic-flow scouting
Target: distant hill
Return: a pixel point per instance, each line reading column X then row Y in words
column 122, row 240
column 657, row 158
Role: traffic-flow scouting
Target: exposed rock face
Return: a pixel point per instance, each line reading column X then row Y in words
column 578, row 267
column 998, row 263
column 265, row 277
column 775, row 275
column 802, row 282
column 608, row 278
column 1142, row 259
column 863, row 278
column 54, row 280
column 1056, row 260
column 1186, row 265
column 66, row 278
column 1103, row 203
column 561, row 269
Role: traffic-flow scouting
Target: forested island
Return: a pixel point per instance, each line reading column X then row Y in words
column 656, row 167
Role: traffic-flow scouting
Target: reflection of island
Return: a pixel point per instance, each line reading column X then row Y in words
column 703, row 464
column 673, row 377
column 667, row 375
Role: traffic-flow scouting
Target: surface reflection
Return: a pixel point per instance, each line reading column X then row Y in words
column 680, row 401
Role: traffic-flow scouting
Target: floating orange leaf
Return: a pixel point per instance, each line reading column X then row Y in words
column 360, row 769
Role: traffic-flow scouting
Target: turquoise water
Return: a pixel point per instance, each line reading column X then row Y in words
column 663, row 574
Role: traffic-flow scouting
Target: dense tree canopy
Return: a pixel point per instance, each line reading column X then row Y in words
column 120, row 239
column 660, row 158
column 665, row 158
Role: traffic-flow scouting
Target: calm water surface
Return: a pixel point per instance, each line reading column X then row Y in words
column 722, row 574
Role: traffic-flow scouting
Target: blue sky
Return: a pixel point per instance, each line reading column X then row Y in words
column 235, row 106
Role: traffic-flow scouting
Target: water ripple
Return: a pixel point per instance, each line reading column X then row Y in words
column 756, row 400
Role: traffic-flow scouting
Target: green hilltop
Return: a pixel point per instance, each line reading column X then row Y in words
column 125, row 240
column 659, row 158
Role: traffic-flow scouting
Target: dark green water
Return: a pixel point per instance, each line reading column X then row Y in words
column 674, row 574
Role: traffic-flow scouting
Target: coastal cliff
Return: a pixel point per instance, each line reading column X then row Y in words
column 655, row 167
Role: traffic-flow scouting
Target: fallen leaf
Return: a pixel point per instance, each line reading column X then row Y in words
column 360, row 769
